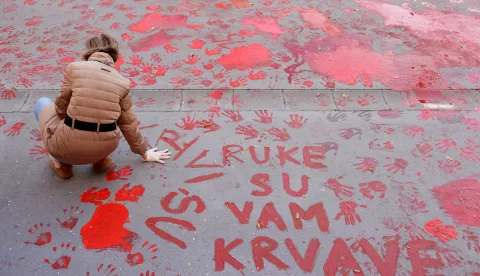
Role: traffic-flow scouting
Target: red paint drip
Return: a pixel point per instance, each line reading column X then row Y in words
column 158, row 20
column 106, row 229
column 247, row 58
column 461, row 200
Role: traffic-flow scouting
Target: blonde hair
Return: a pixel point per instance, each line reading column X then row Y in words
column 101, row 43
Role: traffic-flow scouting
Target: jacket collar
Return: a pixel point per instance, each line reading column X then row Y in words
column 103, row 58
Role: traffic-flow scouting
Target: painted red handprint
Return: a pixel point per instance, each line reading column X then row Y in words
column 214, row 112
column 95, row 196
column 368, row 164
column 234, row 116
column 240, row 81
column 472, row 124
column 348, row 210
column 296, row 121
column 444, row 233
column 113, row 175
column 248, row 131
column 214, row 51
column 412, row 130
column 210, row 65
column 132, row 194
column 15, row 129
column 343, row 100
column 281, row 135
column 63, row 261
column 366, row 100
column 377, row 128
column 179, row 81
column 369, row 189
column 72, row 215
column 191, row 59
column 36, row 135
column 422, row 150
column 338, row 188
column 39, row 150
column 140, row 102
column 264, row 117
column 348, row 133
column 44, row 237
column 427, row 114
column 469, row 152
column 135, row 60
column 398, row 164
column 147, row 67
column 149, row 80
column 131, row 72
column 260, row 75
column 450, row 166
column 208, row 125
column 473, row 242
column 160, row 71
column 445, row 144
column 188, row 123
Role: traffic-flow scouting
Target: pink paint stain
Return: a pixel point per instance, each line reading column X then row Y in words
column 158, row 20
column 264, row 24
column 145, row 44
column 318, row 20
column 461, row 200
column 247, row 58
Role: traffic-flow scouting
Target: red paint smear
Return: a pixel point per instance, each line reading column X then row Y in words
column 217, row 95
column 461, row 200
column 105, row 229
column 239, row 4
column 203, row 178
column 265, row 24
column 318, row 20
column 247, row 58
column 158, row 20
column 443, row 232
column 145, row 44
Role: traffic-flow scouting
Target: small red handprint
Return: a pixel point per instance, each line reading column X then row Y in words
column 210, row 65
column 422, row 150
column 469, row 154
column 214, row 51
column 179, row 81
column 235, row 117
column 169, row 48
column 149, row 80
column 377, row 128
column 133, row 194
column 15, row 129
column 208, row 125
column 281, row 135
column 95, row 196
column 214, row 112
column 106, row 270
column 113, row 175
column 348, row 209
column 412, row 130
column 472, row 124
column 63, row 261
column 296, row 121
column 367, row 164
column 143, row 102
column 188, row 123
column 444, row 233
column 131, row 72
column 369, row 189
column 72, row 214
column 450, row 165
column 264, row 117
column 343, row 100
column 445, row 144
column 147, row 273
column 146, row 67
column 260, row 75
column 135, row 60
column 41, row 239
column 191, row 59
column 240, row 81
column 160, row 71
column 366, row 100
column 338, row 188
column 473, row 241
column 8, row 94
column 36, row 135
column 398, row 164
column 348, row 133
column 248, row 131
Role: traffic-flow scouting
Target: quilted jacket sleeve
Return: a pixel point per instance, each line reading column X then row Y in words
column 128, row 125
column 63, row 99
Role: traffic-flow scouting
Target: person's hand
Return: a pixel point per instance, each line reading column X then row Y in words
column 153, row 155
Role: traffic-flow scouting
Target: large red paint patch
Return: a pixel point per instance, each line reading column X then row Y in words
column 461, row 200
column 145, row 44
column 106, row 229
column 158, row 20
column 247, row 58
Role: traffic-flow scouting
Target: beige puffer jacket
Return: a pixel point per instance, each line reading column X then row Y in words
column 92, row 91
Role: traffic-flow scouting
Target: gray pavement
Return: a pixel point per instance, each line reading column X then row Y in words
column 251, row 191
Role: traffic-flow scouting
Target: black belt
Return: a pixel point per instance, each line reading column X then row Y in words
column 86, row 126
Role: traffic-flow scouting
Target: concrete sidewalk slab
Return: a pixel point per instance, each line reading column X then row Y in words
column 15, row 101
column 157, row 100
column 259, row 100
column 304, row 100
column 360, row 100
column 203, row 100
